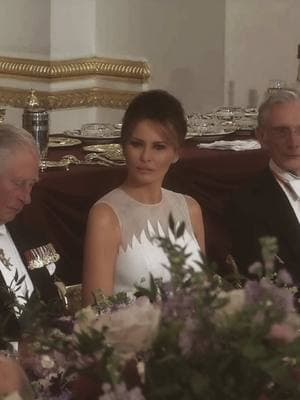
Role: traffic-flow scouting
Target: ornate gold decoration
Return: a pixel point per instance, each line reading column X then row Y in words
column 32, row 101
column 77, row 68
column 89, row 97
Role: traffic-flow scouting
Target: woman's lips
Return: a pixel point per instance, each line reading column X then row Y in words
column 144, row 170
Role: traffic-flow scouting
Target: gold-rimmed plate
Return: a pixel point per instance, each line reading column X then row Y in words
column 54, row 164
column 111, row 151
column 111, row 135
column 59, row 141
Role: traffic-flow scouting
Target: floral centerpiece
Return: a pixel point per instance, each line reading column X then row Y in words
column 196, row 337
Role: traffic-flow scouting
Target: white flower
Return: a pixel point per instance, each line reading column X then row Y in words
column 235, row 303
column 47, row 362
column 141, row 370
column 85, row 319
column 132, row 328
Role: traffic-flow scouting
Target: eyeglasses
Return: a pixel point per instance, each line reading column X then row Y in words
column 282, row 132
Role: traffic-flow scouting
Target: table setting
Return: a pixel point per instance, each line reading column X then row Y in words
column 224, row 123
column 80, row 153
column 94, row 143
column 98, row 143
column 104, row 132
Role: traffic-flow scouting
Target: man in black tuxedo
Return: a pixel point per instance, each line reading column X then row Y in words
column 27, row 262
column 270, row 205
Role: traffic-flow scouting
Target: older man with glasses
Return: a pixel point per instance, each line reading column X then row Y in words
column 270, row 205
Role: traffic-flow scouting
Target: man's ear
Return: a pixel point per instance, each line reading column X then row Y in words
column 262, row 136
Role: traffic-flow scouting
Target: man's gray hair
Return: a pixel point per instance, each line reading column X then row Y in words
column 281, row 96
column 12, row 138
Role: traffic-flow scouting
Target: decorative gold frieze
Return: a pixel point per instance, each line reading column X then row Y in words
column 77, row 68
column 90, row 97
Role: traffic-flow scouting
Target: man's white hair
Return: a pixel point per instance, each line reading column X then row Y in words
column 281, row 96
column 11, row 139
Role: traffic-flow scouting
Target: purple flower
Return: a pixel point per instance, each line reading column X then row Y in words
column 257, row 292
column 65, row 324
column 179, row 305
column 284, row 277
column 187, row 336
column 256, row 269
column 253, row 292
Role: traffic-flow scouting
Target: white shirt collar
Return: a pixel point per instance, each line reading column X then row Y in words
column 3, row 230
column 291, row 181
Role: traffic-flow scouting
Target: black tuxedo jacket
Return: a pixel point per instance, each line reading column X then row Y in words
column 43, row 282
column 262, row 209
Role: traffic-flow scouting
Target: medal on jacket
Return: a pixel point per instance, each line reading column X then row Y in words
column 5, row 260
column 41, row 256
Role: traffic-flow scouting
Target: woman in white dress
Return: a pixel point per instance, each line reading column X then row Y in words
column 119, row 249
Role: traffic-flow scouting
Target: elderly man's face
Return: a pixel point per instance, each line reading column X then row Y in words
column 18, row 174
column 281, row 136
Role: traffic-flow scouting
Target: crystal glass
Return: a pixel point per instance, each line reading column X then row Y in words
column 97, row 129
column 275, row 85
column 42, row 140
column 228, row 113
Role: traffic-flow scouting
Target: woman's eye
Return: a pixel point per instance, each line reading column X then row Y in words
column 135, row 144
column 159, row 146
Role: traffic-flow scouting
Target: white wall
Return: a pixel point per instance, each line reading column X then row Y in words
column 182, row 40
column 25, row 28
column 197, row 49
column 260, row 44
column 73, row 24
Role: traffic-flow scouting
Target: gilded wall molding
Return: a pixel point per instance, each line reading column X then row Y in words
column 78, row 68
column 90, row 97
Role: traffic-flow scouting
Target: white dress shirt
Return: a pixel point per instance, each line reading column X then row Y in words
column 11, row 253
column 290, row 184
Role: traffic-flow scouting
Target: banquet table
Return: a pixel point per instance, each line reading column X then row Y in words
column 62, row 198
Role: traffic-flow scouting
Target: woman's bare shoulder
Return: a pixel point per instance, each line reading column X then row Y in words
column 103, row 214
column 193, row 205
column 197, row 221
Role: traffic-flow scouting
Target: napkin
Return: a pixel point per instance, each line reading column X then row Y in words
column 236, row 145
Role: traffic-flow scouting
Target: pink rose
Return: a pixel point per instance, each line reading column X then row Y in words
column 283, row 333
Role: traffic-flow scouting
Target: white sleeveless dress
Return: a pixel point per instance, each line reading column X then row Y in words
column 139, row 255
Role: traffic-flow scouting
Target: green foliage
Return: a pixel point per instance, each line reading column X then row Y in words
column 223, row 356
column 213, row 342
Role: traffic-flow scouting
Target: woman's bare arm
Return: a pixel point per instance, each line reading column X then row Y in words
column 197, row 221
column 102, row 243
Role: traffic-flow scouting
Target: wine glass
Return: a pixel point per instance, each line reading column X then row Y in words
column 275, row 85
column 42, row 140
